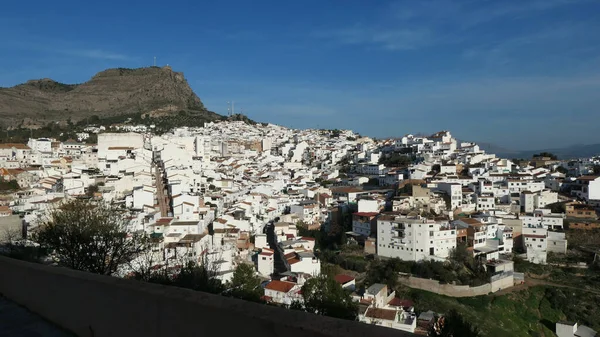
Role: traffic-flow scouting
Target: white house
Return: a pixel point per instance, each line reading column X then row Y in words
column 536, row 244
column 454, row 192
column 570, row 329
column 414, row 238
column 265, row 262
column 543, row 218
column 304, row 262
column 282, row 292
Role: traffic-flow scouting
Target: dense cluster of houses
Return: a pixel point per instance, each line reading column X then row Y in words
column 233, row 193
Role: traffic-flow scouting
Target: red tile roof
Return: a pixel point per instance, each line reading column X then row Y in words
column 366, row 213
column 397, row 302
column 15, row 145
column 281, row 286
column 120, row 148
column 386, row 314
column 343, row 279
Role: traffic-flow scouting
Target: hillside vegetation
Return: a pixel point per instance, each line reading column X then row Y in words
column 526, row 313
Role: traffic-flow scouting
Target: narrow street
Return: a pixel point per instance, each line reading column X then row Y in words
column 279, row 266
column 160, row 192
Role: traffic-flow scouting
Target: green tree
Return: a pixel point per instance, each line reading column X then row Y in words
column 9, row 185
column 196, row 277
column 562, row 169
column 546, row 154
column 557, row 207
column 91, row 190
column 386, row 272
column 245, row 284
column 460, row 254
column 90, row 236
column 453, row 325
column 324, row 296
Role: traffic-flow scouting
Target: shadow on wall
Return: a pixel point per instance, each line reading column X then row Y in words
column 102, row 306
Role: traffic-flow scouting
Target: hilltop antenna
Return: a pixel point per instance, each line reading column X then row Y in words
column 228, row 108
column 155, row 61
column 232, row 107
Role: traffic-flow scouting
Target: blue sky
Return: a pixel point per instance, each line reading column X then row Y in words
column 520, row 74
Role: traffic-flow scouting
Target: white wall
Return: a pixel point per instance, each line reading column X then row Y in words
column 365, row 205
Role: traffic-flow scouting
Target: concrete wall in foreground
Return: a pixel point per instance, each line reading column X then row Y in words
column 100, row 306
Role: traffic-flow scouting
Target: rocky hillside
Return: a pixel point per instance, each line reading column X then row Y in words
column 153, row 91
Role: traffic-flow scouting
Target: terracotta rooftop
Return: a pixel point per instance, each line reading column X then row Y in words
column 281, row 286
column 346, row 190
column 369, row 214
column 120, row 148
column 387, row 314
column 398, row 302
column 343, row 279
column 588, row 178
column 15, row 145
column 471, row 221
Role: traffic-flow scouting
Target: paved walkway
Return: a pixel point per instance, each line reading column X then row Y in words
column 16, row 321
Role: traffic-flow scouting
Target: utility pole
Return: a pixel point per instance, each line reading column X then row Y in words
column 232, row 108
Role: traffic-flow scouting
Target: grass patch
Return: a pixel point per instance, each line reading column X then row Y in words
column 530, row 312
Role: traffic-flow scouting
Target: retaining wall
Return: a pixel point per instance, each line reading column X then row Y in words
column 457, row 290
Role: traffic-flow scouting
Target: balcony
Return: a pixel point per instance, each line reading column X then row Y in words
column 101, row 306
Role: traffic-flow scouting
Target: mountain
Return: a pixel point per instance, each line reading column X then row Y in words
column 151, row 91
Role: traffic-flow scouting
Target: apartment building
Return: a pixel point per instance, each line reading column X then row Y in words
column 535, row 243
column 364, row 223
column 543, row 218
column 414, row 238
